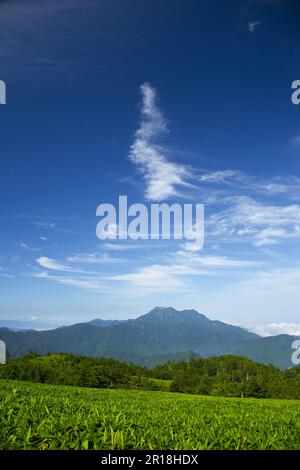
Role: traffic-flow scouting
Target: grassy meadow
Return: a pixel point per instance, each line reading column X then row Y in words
column 39, row 416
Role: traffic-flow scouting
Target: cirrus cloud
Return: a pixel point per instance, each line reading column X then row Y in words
column 163, row 178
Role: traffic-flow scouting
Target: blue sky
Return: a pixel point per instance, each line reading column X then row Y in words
column 216, row 79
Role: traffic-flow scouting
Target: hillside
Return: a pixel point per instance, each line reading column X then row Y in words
column 275, row 350
column 162, row 332
column 230, row 376
column 42, row 417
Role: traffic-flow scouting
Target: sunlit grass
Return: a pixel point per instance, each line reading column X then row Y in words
column 37, row 416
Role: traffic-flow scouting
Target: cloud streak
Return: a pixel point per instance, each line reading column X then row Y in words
column 163, row 178
column 52, row 264
column 86, row 284
column 95, row 258
column 274, row 329
column 264, row 224
column 253, row 25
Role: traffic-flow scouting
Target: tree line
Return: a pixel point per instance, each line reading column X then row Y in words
column 229, row 376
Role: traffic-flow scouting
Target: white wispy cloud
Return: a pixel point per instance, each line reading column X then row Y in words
column 176, row 272
column 8, row 276
column 220, row 176
column 95, row 258
column 295, row 141
column 283, row 278
column 122, row 246
column 27, row 247
column 237, row 182
column 173, row 272
column 274, row 329
column 43, row 224
column 81, row 258
column 86, row 284
column 265, row 224
column 215, row 261
column 52, row 264
column 252, row 25
column 163, row 177
column 270, row 236
column 4, row 274
column 154, row 278
column 52, row 226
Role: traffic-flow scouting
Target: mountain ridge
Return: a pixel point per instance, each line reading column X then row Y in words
column 163, row 333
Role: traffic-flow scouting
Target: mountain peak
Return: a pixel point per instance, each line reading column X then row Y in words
column 170, row 313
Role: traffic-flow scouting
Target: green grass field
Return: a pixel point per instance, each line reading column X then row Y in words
column 36, row 416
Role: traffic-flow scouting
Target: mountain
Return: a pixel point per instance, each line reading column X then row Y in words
column 276, row 350
column 104, row 323
column 163, row 332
